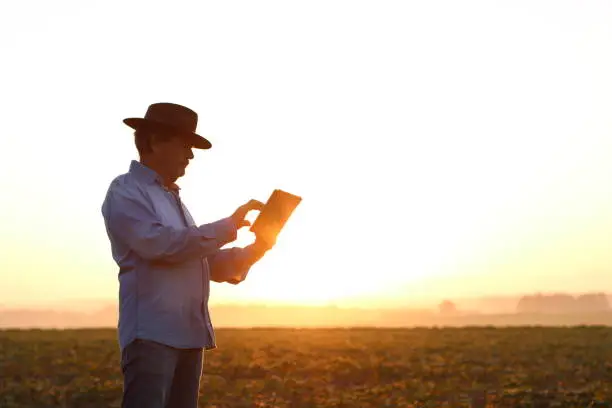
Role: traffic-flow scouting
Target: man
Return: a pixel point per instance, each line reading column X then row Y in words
column 166, row 262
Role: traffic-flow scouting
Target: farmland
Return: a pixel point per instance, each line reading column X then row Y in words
column 502, row 367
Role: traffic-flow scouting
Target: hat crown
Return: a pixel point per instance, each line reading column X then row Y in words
column 173, row 118
column 174, row 115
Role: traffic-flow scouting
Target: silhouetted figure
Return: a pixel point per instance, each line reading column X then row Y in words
column 166, row 262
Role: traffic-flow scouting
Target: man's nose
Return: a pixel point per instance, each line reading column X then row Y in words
column 189, row 154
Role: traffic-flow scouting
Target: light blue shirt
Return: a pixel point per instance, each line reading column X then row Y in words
column 166, row 261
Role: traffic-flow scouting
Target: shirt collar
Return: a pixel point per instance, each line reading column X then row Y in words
column 174, row 188
column 149, row 175
column 144, row 173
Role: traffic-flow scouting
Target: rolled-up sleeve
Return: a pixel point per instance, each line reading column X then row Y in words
column 224, row 230
column 129, row 217
column 233, row 264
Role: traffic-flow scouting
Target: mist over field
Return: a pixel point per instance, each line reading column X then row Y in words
column 556, row 309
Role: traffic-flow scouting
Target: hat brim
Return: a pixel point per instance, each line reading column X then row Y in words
column 199, row 142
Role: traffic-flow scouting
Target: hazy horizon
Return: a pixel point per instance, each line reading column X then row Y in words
column 493, row 312
column 442, row 149
column 481, row 304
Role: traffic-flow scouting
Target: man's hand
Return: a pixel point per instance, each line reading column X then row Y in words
column 264, row 244
column 253, row 253
column 241, row 212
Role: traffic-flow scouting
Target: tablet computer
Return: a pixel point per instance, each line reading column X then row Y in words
column 273, row 217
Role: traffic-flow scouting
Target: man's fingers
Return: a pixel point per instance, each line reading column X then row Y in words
column 254, row 205
column 242, row 211
column 265, row 243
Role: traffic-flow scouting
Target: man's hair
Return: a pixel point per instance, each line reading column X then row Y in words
column 144, row 136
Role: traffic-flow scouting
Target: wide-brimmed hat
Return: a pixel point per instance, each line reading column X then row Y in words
column 172, row 118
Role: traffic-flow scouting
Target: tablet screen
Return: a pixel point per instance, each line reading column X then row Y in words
column 275, row 214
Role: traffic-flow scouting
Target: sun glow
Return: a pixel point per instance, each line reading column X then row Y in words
column 438, row 149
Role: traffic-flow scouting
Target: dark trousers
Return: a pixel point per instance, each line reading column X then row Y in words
column 159, row 376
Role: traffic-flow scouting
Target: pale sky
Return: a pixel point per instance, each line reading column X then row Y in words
column 442, row 148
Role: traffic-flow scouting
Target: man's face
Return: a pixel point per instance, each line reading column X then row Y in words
column 173, row 156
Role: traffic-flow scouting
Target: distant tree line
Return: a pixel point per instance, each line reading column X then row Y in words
column 447, row 308
column 563, row 303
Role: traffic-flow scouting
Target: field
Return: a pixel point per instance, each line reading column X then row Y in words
column 503, row 367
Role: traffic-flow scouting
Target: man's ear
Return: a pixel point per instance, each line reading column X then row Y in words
column 154, row 142
column 158, row 139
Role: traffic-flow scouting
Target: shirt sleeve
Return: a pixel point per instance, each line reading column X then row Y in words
column 233, row 264
column 129, row 217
